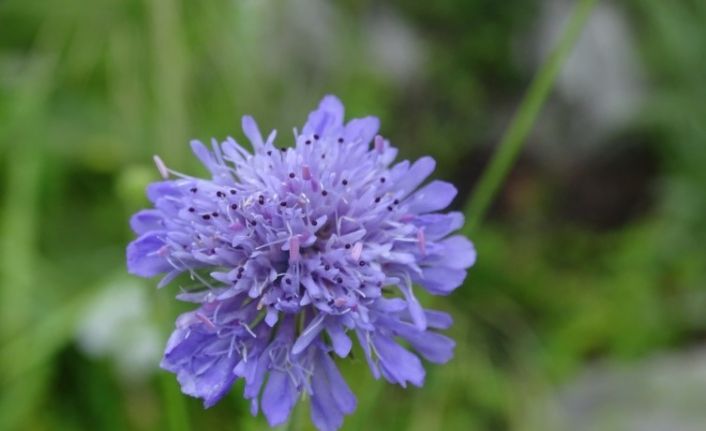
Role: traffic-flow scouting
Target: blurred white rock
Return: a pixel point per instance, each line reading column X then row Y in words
column 665, row 392
column 395, row 48
column 600, row 88
column 117, row 325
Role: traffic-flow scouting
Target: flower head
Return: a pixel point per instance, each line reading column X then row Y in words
column 294, row 251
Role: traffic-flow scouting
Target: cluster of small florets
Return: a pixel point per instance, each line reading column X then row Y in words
column 291, row 251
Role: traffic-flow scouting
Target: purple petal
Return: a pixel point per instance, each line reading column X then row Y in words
column 433, row 347
column 415, row 309
column 439, row 225
column 340, row 392
column 458, row 253
column 435, row 196
column 341, row 342
column 278, row 398
column 438, row 319
column 308, row 335
column 397, row 363
column 328, row 116
column 162, row 189
column 146, row 220
column 144, row 258
column 252, row 131
column 419, row 171
column 203, row 154
column 200, row 375
column 331, row 397
column 362, row 130
column 441, row 280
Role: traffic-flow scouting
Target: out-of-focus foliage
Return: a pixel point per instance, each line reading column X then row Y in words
column 588, row 257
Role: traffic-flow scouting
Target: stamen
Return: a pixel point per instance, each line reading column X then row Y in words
column 306, row 172
column 357, row 251
column 379, row 144
column 161, row 167
column 422, row 241
column 205, row 320
column 294, row 249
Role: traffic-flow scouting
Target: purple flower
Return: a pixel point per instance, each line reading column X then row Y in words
column 295, row 251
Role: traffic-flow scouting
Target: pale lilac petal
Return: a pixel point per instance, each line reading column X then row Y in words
column 438, row 319
column 144, row 257
column 416, row 174
column 329, row 115
column 331, row 397
column 342, row 344
column 252, row 131
column 437, row 226
column 361, row 130
column 162, row 189
column 440, row 280
column 309, row 334
column 433, row 347
column 340, row 392
column 278, row 398
column 398, row 365
column 146, row 220
column 457, row 253
column 435, row 196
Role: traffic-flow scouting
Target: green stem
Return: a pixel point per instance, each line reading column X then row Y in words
column 524, row 119
column 176, row 414
column 293, row 423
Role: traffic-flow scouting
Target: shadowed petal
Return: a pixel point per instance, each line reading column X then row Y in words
column 397, row 363
column 328, row 116
column 435, row 196
column 440, row 280
column 145, row 221
column 143, row 257
column 278, row 398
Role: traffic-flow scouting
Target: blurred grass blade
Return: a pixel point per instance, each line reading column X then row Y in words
column 176, row 413
column 526, row 116
column 46, row 337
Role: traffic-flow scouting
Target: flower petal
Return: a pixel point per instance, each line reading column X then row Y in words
column 341, row 342
column 361, row 130
column 146, row 220
column 441, row 280
column 309, row 333
column 331, row 398
column 416, row 174
column 435, row 196
column 327, row 116
column 457, row 253
column 397, row 363
column 144, row 258
column 252, row 132
column 278, row 398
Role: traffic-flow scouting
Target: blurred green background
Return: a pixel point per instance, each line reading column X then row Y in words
column 586, row 309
